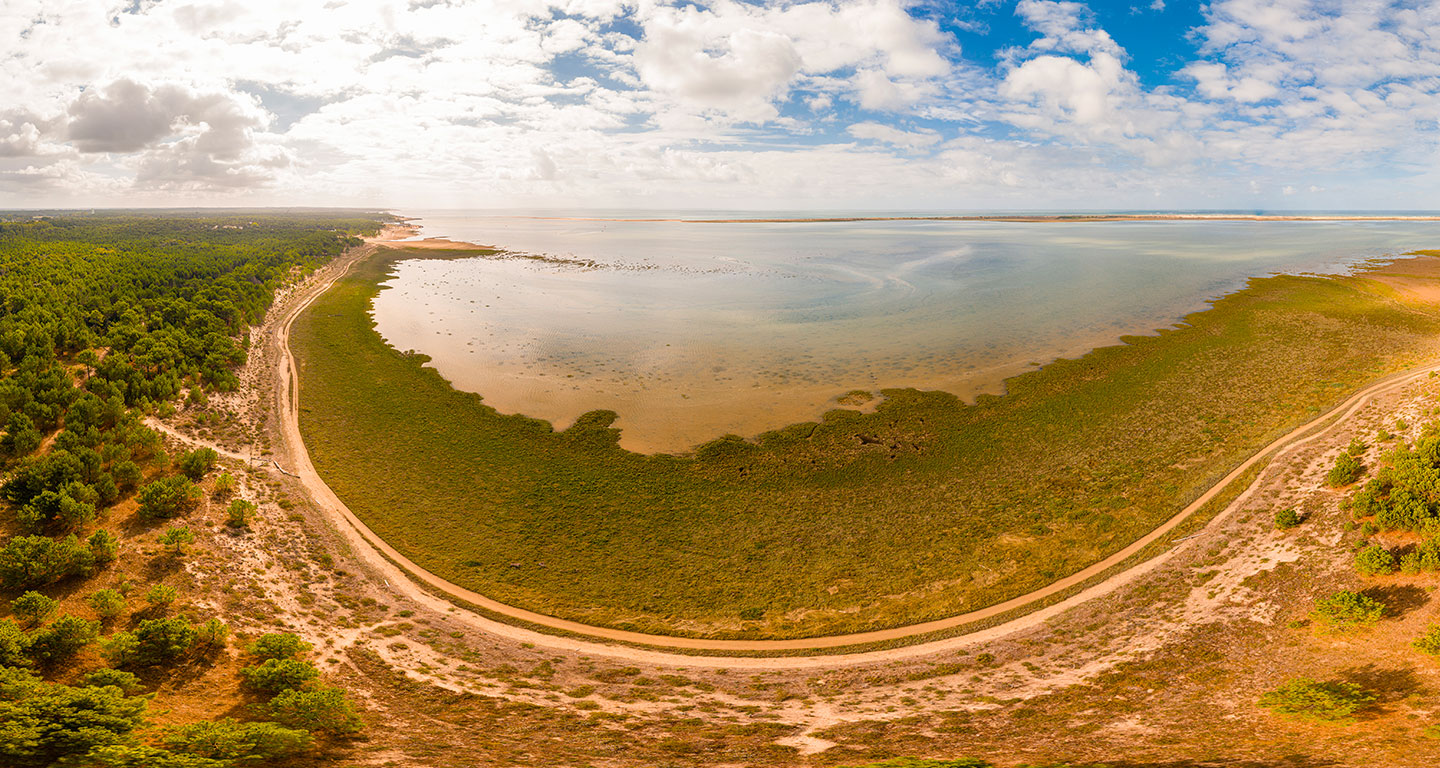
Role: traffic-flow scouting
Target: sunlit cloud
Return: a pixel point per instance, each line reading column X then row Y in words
column 641, row 102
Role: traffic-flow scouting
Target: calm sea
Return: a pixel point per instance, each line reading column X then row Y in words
column 693, row 330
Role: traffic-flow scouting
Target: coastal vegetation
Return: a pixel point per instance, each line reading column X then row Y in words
column 1401, row 498
column 104, row 319
column 1331, row 701
column 924, row 508
column 1346, row 610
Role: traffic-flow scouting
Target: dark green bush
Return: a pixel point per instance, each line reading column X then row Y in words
column 277, row 675
column 277, row 645
column 1347, row 470
column 104, row 676
column 194, row 464
column 235, row 741
column 62, row 639
column 1375, row 560
column 317, row 709
column 168, row 497
column 161, row 641
column 32, row 561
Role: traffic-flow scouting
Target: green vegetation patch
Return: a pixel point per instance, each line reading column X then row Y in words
column 1345, row 611
column 105, row 319
column 924, row 509
column 1332, row 701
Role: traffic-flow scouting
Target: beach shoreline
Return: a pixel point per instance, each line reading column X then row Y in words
column 672, row 398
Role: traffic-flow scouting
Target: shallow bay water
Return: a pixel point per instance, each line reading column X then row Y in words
column 693, row 330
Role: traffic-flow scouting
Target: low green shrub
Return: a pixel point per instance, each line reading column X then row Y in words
column 1306, row 699
column 105, row 676
column 238, row 514
column 1429, row 642
column 107, row 604
column 1375, row 560
column 160, row 596
column 1346, row 610
column 62, row 639
column 1347, row 470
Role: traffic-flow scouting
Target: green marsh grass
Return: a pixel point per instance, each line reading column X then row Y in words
column 925, row 508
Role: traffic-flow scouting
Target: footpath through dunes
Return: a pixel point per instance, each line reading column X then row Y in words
column 921, row 515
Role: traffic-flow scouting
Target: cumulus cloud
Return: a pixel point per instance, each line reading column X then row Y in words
column 705, row 62
column 187, row 138
column 1081, row 92
column 741, row 60
column 124, row 117
column 20, row 135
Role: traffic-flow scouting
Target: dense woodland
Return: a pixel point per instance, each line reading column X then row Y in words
column 105, row 319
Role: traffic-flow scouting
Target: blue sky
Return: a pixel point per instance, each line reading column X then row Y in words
column 879, row 104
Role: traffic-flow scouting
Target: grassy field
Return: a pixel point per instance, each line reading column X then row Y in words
column 924, row 509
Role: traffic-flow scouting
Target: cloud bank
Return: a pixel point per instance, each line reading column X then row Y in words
column 642, row 103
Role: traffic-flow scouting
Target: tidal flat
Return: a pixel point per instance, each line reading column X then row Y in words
column 689, row 331
column 924, row 508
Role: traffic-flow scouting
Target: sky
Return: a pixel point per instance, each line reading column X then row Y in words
column 639, row 104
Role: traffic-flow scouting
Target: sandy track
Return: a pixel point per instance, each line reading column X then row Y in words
column 401, row 574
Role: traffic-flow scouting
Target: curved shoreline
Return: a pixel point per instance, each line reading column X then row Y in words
column 389, row 561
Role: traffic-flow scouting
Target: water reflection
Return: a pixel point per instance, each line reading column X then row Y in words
column 690, row 331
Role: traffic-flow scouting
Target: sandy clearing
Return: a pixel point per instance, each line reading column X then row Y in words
column 400, row 574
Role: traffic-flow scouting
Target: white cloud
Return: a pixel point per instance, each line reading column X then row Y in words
column 740, row 60
column 513, row 102
column 20, row 135
column 1213, row 82
column 895, row 136
column 185, row 138
column 1066, row 26
column 696, row 58
column 1076, row 91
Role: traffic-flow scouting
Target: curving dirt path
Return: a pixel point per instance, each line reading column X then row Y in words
column 401, row 574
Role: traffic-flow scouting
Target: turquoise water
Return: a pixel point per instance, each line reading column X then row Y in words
column 693, row 330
